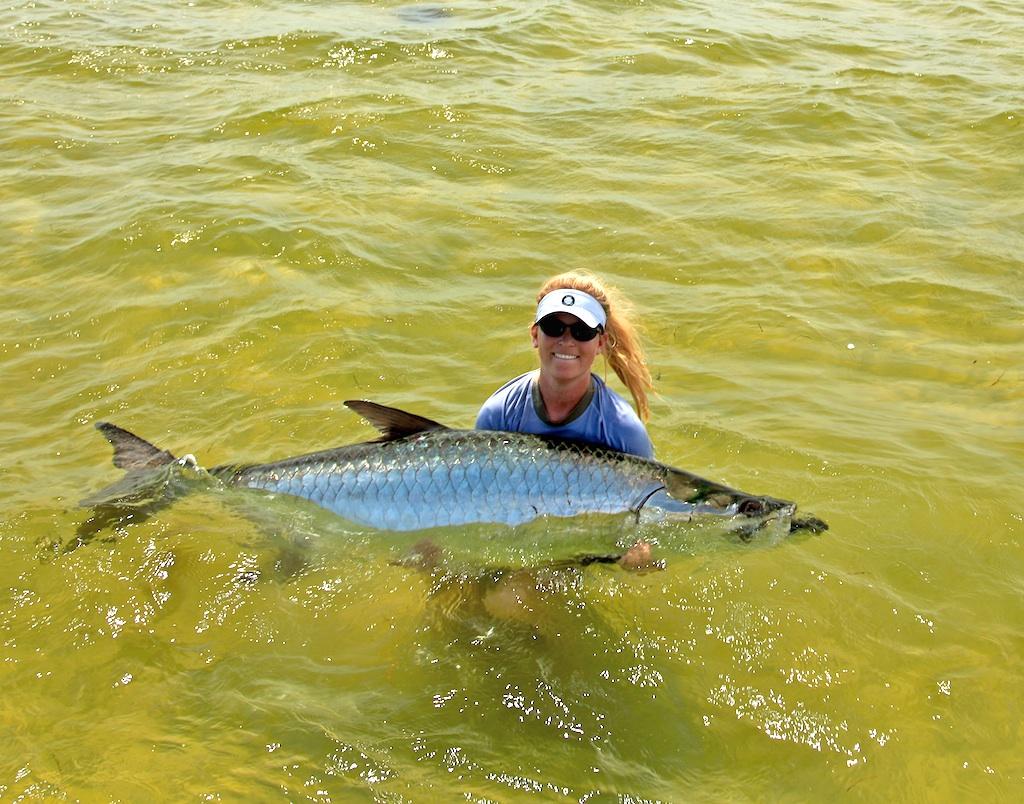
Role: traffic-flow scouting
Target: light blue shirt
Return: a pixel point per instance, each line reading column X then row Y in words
column 607, row 419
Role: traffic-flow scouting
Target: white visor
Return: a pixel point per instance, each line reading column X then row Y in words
column 575, row 302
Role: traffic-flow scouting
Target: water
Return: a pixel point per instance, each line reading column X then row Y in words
column 220, row 220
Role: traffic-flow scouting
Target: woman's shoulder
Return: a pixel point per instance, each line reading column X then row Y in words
column 499, row 409
column 515, row 387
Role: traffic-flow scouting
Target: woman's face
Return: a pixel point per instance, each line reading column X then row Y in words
column 565, row 358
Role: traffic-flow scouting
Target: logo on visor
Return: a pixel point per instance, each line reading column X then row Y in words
column 568, row 301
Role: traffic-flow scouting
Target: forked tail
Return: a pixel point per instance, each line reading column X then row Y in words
column 147, row 486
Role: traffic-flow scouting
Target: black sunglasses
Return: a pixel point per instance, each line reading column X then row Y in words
column 554, row 327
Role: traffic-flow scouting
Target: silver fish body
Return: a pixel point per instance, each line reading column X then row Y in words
column 456, row 477
column 421, row 475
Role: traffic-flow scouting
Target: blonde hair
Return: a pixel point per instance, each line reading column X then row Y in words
column 623, row 349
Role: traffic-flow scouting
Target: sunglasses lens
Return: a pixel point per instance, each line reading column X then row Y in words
column 554, row 328
column 582, row 332
column 551, row 327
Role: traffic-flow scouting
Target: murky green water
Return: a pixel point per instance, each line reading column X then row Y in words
column 222, row 219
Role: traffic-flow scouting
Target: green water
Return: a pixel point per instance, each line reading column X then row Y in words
column 222, row 219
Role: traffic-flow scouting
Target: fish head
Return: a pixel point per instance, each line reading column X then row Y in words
column 687, row 496
column 706, row 497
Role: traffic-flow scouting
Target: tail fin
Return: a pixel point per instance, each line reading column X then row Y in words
column 132, row 452
column 147, row 487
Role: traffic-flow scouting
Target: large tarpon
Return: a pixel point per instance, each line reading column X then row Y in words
column 420, row 474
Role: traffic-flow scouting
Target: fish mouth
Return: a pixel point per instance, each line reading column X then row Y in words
column 811, row 524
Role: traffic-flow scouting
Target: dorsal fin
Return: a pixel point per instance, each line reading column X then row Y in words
column 132, row 452
column 392, row 422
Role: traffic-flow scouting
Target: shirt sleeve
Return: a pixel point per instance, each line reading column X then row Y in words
column 492, row 413
column 502, row 410
column 489, row 417
column 622, row 428
column 636, row 441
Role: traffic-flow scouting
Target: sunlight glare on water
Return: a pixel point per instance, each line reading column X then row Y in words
column 221, row 220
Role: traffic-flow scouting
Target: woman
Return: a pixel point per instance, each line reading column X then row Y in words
column 578, row 317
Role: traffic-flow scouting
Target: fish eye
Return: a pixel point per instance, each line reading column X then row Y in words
column 751, row 506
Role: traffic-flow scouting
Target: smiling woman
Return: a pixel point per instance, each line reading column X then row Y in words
column 578, row 317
